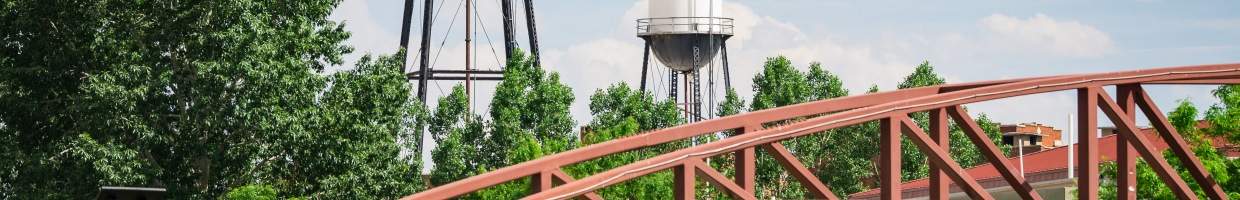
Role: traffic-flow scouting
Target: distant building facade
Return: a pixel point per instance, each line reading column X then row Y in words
column 1029, row 138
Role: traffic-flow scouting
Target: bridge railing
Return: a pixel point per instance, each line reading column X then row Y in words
column 890, row 109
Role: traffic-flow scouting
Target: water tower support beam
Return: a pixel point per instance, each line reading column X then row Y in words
column 425, row 53
column 510, row 41
column 645, row 65
column 533, row 30
column 727, row 77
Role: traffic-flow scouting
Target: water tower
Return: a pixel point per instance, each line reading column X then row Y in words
column 685, row 36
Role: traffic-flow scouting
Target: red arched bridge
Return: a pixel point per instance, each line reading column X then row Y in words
column 892, row 110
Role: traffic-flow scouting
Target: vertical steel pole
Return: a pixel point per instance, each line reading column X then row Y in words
column 510, row 41
column 1087, row 153
column 425, row 53
column 469, row 26
column 939, row 185
column 744, row 163
column 1125, row 155
column 889, row 159
column 684, row 181
column 533, row 32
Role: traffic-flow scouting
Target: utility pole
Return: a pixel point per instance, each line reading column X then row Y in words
column 468, row 33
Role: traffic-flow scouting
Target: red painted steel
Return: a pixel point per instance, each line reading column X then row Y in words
column 833, row 114
column 1087, row 148
column 562, row 178
column 889, row 159
column 1126, row 156
column 1128, row 128
column 938, row 156
column 798, row 171
column 745, row 163
column 719, row 181
column 685, row 131
column 940, row 188
column 1177, row 145
column 684, row 181
column 993, row 154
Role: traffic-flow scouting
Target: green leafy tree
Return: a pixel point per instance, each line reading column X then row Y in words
column 459, row 137
column 363, row 121
column 778, row 84
column 620, row 111
column 732, row 104
column 196, row 97
column 1223, row 117
column 252, row 192
column 531, row 101
column 1184, row 118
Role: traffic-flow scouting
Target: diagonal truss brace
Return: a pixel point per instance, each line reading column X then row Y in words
column 1177, row 144
column 992, row 153
column 937, row 156
column 546, row 179
column 720, row 181
column 797, row 170
column 1143, row 146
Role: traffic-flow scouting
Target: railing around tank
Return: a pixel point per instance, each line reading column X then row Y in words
column 685, row 25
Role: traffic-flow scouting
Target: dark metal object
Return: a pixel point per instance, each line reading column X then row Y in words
column 425, row 51
column 890, row 108
column 681, row 52
column 510, row 41
column 532, row 27
column 404, row 33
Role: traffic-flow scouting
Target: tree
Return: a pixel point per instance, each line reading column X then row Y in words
column 195, row 97
column 1184, row 118
column 459, row 136
column 823, row 84
column 778, row 84
column 532, row 101
column 366, row 119
column 620, row 111
column 1224, row 115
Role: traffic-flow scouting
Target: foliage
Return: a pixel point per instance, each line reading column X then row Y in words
column 529, row 119
column 252, row 192
column 1224, row 115
column 531, row 101
column 620, row 111
column 460, row 137
column 1149, row 185
column 196, row 97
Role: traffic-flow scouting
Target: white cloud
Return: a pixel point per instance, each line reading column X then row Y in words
column 368, row 35
column 1043, row 33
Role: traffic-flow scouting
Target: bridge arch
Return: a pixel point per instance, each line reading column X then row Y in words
column 891, row 109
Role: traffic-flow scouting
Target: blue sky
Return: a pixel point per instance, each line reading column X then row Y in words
column 591, row 43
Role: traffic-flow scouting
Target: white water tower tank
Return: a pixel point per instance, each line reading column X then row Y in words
column 685, row 34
